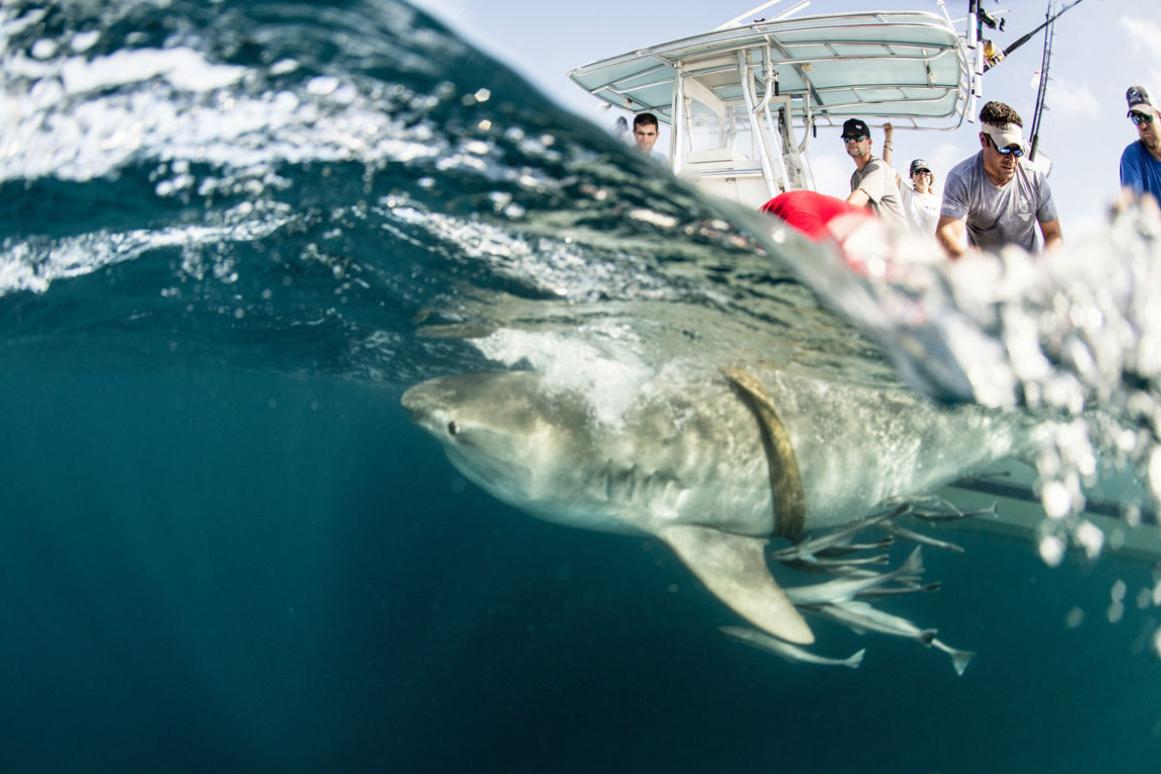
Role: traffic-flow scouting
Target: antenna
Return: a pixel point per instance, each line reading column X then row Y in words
column 790, row 12
column 740, row 19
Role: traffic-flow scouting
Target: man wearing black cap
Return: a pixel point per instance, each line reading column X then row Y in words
column 1141, row 161
column 873, row 182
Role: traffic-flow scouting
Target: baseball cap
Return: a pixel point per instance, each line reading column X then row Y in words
column 856, row 126
column 919, row 164
column 1138, row 100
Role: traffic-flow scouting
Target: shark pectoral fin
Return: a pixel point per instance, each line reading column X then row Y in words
column 734, row 568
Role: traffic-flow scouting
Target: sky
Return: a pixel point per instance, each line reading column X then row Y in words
column 1101, row 47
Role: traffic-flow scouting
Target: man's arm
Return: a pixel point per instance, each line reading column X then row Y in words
column 874, row 186
column 1050, row 230
column 949, row 231
column 1131, row 176
column 859, row 198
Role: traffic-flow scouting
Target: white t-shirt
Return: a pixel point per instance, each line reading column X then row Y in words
column 922, row 210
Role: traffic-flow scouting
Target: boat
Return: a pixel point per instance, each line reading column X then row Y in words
column 743, row 103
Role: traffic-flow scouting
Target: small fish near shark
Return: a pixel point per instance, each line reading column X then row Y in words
column 715, row 464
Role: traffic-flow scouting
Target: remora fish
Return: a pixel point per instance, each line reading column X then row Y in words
column 861, row 617
column 713, row 464
column 787, row 651
column 845, row 589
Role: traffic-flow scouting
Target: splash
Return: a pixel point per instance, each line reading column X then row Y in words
column 1073, row 337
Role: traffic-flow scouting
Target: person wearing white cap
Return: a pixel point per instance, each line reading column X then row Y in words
column 994, row 196
column 1141, row 161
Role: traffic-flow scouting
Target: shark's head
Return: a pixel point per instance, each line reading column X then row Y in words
column 542, row 450
column 510, row 435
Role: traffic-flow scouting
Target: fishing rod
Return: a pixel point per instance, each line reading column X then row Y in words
column 1042, row 87
column 1028, row 36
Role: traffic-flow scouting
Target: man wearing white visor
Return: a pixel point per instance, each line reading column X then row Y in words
column 994, row 196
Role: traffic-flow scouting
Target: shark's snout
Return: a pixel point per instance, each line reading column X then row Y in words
column 414, row 403
column 426, row 403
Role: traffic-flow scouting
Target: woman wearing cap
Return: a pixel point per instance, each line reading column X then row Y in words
column 920, row 203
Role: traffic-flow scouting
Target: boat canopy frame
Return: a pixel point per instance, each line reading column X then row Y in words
column 787, row 77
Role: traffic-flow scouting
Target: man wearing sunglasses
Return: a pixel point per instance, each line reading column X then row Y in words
column 993, row 196
column 873, row 182
column 1141, row 161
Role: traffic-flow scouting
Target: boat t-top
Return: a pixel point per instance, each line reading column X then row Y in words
column 744, row 101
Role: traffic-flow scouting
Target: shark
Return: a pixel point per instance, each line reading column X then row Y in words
column 714, row 462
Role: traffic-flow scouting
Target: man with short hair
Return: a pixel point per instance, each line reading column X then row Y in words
column 1141, row 161
column 645, row 134
column 873, row 182
column 994, row 195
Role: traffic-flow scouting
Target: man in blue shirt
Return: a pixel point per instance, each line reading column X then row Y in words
column 1141, row 161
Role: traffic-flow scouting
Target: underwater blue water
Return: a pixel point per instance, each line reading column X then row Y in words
column 225, row 547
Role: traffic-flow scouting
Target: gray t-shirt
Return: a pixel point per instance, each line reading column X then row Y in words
column 998, row 216
column 877, row 181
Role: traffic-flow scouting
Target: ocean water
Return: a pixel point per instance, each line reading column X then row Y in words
column 233, row 235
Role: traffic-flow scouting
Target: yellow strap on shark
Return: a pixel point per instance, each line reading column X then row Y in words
column 785, row 480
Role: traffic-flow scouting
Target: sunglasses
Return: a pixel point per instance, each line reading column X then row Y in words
column 854, row 137
column 1011, row 150
column 1140, row 119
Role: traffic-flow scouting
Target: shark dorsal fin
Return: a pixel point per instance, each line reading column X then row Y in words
column 785, row 479
column 734, row 568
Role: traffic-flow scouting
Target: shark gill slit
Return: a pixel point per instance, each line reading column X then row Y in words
column 785, row 480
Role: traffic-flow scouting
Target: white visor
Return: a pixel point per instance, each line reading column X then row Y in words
column 1003, row 136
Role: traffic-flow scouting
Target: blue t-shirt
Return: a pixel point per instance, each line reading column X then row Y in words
column 1140, row 171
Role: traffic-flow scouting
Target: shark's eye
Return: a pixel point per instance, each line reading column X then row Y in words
column 452, row 429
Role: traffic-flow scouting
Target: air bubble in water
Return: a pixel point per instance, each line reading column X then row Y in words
column 1051, row 550
column 1091, row 539
column 1057, row 500
column 1074, row 618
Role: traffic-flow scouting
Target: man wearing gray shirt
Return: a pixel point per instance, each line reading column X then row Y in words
column 873, row 183
column 994, row 196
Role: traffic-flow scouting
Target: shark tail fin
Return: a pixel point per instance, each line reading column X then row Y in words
column 733, row 567
column 959, row 658
column 856, row 659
